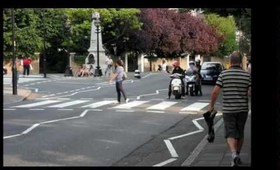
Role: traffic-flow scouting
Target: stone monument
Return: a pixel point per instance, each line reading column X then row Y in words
column 91, row 59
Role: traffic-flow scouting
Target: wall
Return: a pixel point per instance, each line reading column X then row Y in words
column 34, row 63
column 184, row 63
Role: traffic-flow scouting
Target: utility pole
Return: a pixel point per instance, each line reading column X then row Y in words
column 44, row 59
column 14, row 68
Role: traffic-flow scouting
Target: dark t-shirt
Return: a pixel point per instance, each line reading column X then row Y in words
column 179, row 70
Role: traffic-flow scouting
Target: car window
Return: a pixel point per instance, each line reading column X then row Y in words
column 211, row 66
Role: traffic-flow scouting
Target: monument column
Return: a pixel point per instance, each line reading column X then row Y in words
column 92, row 56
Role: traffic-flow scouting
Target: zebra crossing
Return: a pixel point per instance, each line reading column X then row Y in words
column 148, row 105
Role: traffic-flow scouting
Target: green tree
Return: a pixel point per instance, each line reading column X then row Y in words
column 226, row 27
column 115, row 25
column 26, row 33
column 242, row 18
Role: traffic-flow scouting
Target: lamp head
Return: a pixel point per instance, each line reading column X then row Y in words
column 97, row 22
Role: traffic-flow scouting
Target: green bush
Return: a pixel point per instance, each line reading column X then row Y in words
column 80, row 59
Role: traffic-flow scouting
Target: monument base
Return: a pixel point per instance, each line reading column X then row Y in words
column 97, row 72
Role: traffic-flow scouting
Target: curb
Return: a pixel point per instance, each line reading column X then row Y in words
column 22, row 94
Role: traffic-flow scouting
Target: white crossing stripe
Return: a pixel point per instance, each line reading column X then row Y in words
column 129, row 105
column 69, row 103
column 162, row 105
column 99, row 104
column 38, row 103
column 195, row 107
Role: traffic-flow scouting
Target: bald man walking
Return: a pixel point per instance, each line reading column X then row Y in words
column 236, row 85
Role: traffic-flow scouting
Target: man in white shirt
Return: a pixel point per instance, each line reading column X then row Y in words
column 164, row 66
column 109, row 63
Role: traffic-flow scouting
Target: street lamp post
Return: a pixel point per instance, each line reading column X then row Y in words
column 97, row 72
column 44, row 40
column 14, row 68
column 115, row 50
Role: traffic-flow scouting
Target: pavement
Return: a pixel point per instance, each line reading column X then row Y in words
column 205, row 154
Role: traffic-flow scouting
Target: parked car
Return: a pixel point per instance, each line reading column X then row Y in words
column 210, row 71
column 5, row 71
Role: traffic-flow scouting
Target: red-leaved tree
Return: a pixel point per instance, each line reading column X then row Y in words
column 168, row 33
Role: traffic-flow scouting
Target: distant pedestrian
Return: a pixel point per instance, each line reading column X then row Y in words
column 164, row 66
column 236, row 84
column 249, row 66
column 118, row 77
column 109, row 64
column 17, row 69
column 26, row 66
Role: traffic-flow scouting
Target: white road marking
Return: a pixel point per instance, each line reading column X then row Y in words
column 36, row 109
column 84, row 113
column 200, row 129
column 86, row 98
column 124, row 110
column 98, row 104
column 197, row 124
column 77, row 91
column 184, row 135
column 60, row 98
column 11, row 136
column 129, row 105
column 171, row 148
column 190, row 112
column 200, row 146
column 158, row 99
column 150, row 94
column 96, row 110
column 165, row 162
column 162, row 105
column 31, row 128
column 155, row 111
column 205, row 101
column 75, row 102
column 38, row 103
column 37, row 124
column 195, row 107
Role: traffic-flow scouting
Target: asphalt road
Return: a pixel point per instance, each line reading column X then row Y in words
column 75, row 122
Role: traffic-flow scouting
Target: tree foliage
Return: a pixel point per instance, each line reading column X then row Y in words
column 168, row 33
column 226, row 27
column 27, row 40
column 242, row 18
column 158, row 32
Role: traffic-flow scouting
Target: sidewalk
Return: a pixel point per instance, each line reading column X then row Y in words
column 9, row 98
column 218, row 154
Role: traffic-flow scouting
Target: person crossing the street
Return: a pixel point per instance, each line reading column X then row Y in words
column 118, row 77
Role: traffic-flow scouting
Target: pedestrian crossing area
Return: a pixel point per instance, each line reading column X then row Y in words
column 148, row 105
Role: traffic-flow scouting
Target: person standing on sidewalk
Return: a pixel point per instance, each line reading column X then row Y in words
column 249, row 66
column 26, row 66
column 109, row 63
column 118, row 77
column 236, row 84
column 18, row 67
